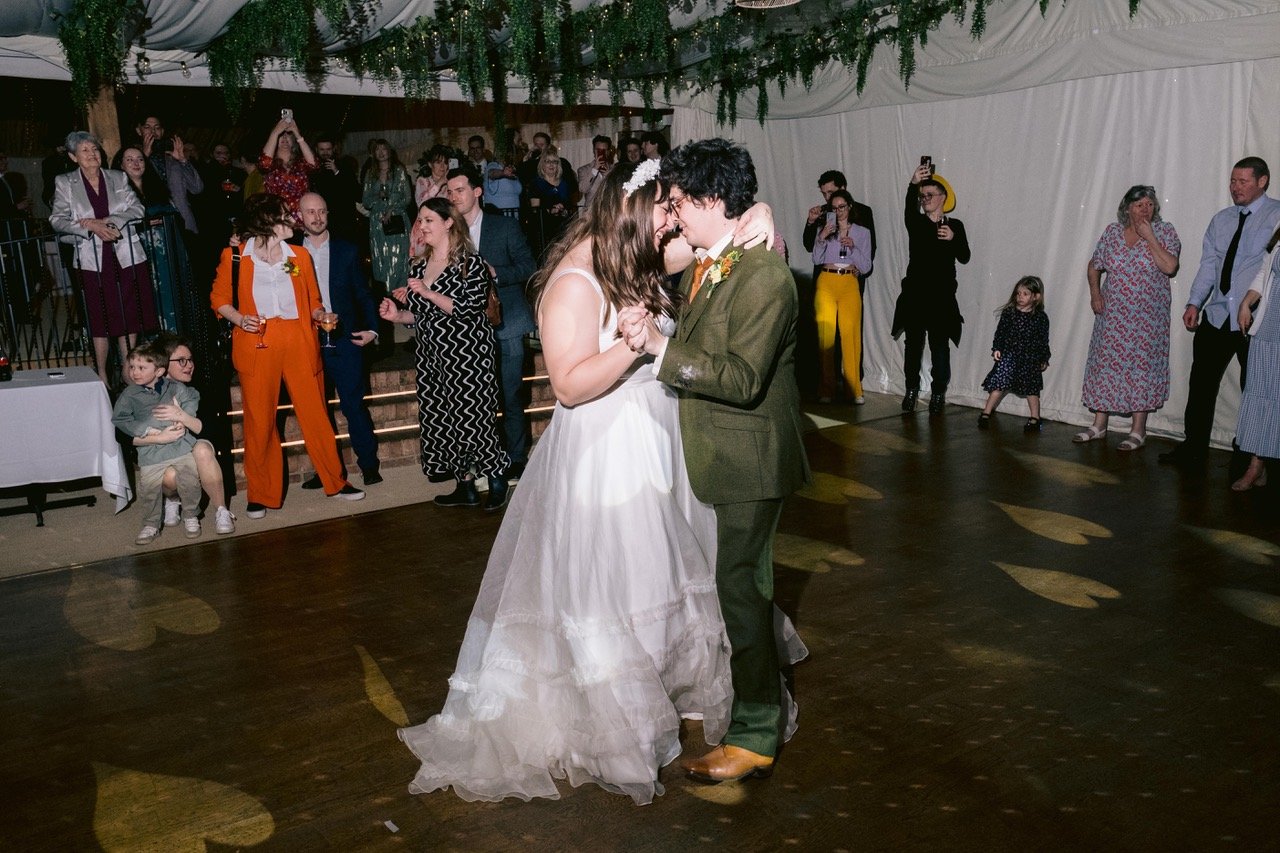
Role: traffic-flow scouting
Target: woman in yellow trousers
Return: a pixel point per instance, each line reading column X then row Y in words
column 842, row 254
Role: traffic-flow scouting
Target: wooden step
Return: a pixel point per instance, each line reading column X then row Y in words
column 393, row 405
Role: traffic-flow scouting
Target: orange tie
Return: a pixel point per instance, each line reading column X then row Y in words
column 699, row 270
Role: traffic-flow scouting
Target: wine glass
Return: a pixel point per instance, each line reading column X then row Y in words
column 261, row 333
column 328, row 322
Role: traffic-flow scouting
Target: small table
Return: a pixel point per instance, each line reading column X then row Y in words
column 55, row 426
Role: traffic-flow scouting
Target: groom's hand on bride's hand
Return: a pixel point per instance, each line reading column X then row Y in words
column 630, row 322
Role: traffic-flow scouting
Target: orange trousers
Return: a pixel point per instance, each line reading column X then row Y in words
column 286, row 340
column 837, row 304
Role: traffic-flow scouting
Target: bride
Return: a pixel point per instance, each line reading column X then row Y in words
column 597, row 626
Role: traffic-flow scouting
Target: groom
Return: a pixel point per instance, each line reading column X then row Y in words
column 732, row 361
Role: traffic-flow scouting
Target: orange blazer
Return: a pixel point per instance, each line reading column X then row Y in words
column 306, row 290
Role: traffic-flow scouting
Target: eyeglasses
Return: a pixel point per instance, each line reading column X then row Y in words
column 674, row 202
column 185, row 362
column 932, row 195
column 839, row 207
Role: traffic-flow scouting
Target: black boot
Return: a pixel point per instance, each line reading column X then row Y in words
column 464, row 495
column 498, row 493
column 909, row 399
column 937, row 402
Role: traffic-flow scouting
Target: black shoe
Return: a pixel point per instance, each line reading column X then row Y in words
column 312, row 482
column 254, row 510
column 1032, row 425
column 499, row 491
column 371, row 478
column 464, row 495
column 984, row 420
column 514, row 472
column 439, row 478
column 937, row 402
column 1181, row 456
column 909, row 400
column 348, row 493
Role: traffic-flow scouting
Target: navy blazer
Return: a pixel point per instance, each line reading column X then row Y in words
column 502, row 244
column 349, row 292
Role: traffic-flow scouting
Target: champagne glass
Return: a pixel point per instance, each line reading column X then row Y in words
column 261, row 333
column 328, row 322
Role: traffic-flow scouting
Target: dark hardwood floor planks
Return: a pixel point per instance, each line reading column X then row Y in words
column 961, row 692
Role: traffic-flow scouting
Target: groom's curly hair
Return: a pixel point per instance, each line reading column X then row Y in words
column 624, row 255
column 713, row 169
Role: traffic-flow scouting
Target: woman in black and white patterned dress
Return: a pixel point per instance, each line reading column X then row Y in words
column 457, row 378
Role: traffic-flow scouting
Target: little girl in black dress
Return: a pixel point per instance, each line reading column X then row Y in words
column 1020, row 350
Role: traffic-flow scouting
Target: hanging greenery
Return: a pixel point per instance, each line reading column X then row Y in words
column 96, row 36
column 283, row 30
column 625, row 45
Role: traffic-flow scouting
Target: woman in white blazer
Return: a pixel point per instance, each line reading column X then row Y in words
column 96, row 206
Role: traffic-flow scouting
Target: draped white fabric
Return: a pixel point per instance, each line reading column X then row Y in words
column 1038, row 174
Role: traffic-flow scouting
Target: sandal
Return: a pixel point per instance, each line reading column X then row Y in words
column 1132, row 442
column 1032, row 425
column 1087, row 435
column 1254, row 478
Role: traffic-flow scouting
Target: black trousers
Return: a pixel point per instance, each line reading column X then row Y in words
column 939, row 354
column 1211, row 351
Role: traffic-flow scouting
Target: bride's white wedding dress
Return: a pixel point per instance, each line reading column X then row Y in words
column 597, row 625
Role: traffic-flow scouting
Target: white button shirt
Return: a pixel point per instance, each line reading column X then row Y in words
column 272, row 286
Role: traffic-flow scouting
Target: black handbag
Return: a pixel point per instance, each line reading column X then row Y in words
column 394, row 226
column 225, row 326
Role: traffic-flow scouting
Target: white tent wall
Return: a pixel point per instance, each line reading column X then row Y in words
column 1038, row 174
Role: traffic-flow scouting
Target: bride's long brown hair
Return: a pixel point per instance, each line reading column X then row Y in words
column 625, row 260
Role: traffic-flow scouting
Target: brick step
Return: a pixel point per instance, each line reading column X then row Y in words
column 393, row 405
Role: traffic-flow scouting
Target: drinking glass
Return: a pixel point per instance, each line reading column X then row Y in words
column 328, row 322
column 261, row 333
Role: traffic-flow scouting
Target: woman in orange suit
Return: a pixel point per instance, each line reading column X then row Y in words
column 278, row 300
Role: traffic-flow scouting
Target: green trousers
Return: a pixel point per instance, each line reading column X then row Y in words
column 744, row 580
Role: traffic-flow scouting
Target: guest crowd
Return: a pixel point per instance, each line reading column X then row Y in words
column 302, row 244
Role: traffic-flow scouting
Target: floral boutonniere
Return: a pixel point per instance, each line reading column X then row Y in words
column 290, row 267
column 721, row 269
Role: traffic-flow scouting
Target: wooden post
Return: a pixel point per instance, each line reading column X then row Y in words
column 104, row 122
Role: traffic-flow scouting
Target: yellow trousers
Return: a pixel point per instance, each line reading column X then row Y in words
column 837, row 304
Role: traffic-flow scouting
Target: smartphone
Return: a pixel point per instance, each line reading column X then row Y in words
column 286, row 114
column 831, row 217
column 927, row 160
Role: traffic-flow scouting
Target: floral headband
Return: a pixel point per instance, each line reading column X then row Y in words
column 644, row 173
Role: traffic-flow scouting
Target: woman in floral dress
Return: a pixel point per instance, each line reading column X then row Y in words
column 286, row 163
column 1127, row 372
column 387, row 193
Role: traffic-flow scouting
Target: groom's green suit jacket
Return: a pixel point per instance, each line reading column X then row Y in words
column 733, row 361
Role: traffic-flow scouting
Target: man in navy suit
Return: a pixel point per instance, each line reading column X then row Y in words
column 501, row 244
column 345, row 293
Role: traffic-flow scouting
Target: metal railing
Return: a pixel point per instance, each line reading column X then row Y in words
column 42, row 294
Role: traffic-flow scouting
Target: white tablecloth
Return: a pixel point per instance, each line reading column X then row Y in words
column 54, row 429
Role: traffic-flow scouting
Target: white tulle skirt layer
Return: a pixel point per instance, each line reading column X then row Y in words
column 597, row 625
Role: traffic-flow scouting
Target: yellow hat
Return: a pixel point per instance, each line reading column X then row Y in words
column 950, row 204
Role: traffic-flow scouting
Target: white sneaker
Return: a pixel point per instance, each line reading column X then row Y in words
column 172, row 512
column 224, row 522
column 193, row 527
column 146, row 535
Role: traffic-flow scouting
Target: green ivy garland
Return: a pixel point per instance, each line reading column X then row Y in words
column 626, row 45
column 96, row 36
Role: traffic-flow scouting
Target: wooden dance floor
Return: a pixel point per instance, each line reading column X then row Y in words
column 1016, row 644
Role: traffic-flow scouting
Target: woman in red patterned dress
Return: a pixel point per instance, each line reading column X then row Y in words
column 286, row 163
column 1128, row 368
